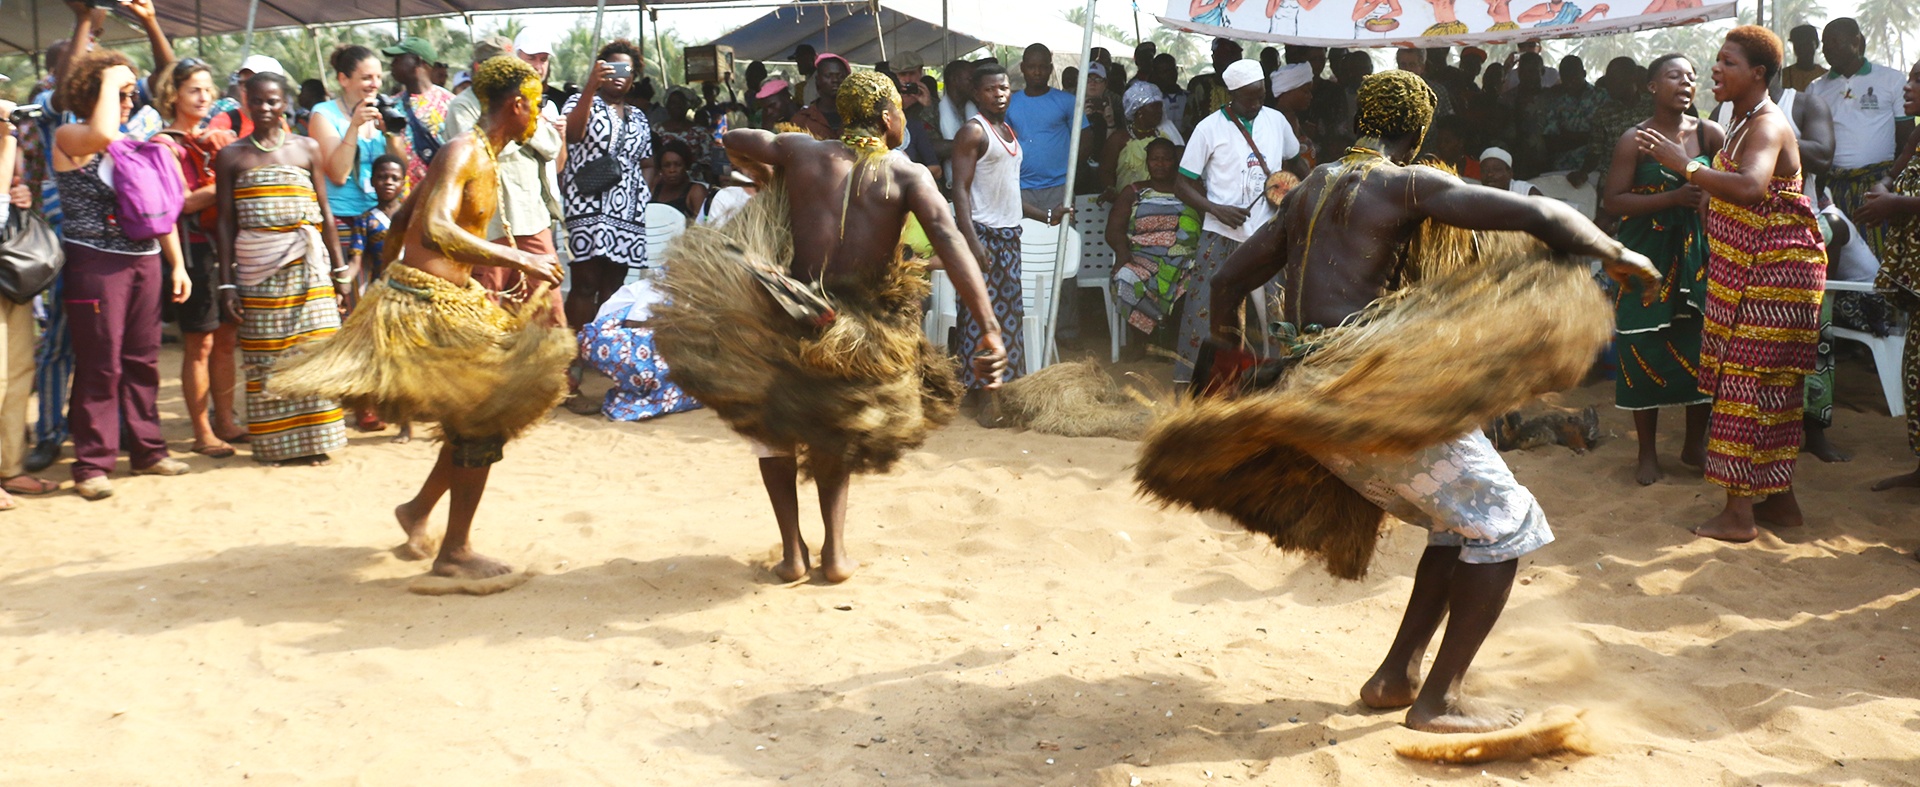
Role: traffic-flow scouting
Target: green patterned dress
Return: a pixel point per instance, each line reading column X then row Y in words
column 1659, row 345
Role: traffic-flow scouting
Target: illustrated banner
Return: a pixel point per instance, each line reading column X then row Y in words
column 1429, row 23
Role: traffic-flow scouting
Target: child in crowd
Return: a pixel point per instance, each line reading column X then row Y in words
column 364, row 246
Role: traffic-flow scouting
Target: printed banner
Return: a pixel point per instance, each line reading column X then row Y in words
column 1427, row 23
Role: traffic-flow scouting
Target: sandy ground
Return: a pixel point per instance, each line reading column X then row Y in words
column 1021, row 619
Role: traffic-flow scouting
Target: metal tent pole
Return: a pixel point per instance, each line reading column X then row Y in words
column 599, row 14
column 399, row 25
column 879, row 33
column 199, row 29
column 39, row 54
column 946, row 34
column 246, row 47
column 1073, row 167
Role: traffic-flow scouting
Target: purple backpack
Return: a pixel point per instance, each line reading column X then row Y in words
column 151, row 191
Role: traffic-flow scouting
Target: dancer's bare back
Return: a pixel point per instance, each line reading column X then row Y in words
column 856, row 246
column 1341, row 236
column 445, row 220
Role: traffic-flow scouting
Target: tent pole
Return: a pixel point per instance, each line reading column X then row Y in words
column 879, row 33
column 659, row 47
column 946, row 34
column 640, row 35
column 318, row 59
column 199, row 29
column 599, row 13
column 39, row 54
column 246, row 47
column 399, row 25
column 1073, row 161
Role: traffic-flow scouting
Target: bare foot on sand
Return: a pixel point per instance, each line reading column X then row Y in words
column 1908, row 481
column 468, row 564
column 1728, row 526
column 1781, row 510
column 1648, row 473
column 1693, row 455
column 836, row 567
column 793, row 567
column 1822, row 448
column 1462, row 714
column 419, row 544
column 1389, row 689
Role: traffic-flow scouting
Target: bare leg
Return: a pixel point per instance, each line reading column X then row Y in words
column 1822, row 448
column 413, row 513
column 779, row 474
column 1781, row 510
column 835, row 566
column 1693, row 452
column 197, row 350
column 1394, row 684
column 457, row 558
column 1735, row 523
column 1910, row 481
column 1645, row 422
column 1476, row 593
column 223, row 376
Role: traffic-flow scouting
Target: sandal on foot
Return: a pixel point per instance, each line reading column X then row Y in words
column 581, row 405
column 28, row 485
column 221, row 451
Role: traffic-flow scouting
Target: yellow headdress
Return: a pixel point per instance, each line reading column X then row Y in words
column 1394, row 104
column 863, row 101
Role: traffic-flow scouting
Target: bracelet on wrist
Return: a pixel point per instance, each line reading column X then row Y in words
column 228, row 287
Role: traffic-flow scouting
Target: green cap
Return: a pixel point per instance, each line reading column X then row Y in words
column 413, row 45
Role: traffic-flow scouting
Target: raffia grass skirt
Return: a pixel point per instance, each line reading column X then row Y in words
column 856, row 395
column 418, row 348
column 1416, row 368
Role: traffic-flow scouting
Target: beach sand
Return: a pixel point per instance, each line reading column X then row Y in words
column 1021, row 618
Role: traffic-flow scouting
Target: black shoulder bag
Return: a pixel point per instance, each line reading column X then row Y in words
column 30, row 256
column 596, row 176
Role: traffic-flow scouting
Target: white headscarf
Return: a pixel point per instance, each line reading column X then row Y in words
column 1142, row 93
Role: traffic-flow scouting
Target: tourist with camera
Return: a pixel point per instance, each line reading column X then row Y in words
column 353, row 130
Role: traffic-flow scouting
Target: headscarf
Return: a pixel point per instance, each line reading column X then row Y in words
column 1142, row 93
column 1292, row 76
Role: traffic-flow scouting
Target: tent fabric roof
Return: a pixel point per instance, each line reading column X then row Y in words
column 913, row 25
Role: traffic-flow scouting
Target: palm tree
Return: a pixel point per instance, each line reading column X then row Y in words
column 1886, row 23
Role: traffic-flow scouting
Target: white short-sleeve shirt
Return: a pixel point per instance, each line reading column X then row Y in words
column 1218, row 155
column 1864, row 106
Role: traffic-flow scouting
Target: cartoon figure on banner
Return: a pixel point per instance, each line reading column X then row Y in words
column 1502, row 16
column 1283, row 16
column 1663, row 6
column 1445, row 21
column 1375, row 16
column 1212, row 12
column 1560, row 12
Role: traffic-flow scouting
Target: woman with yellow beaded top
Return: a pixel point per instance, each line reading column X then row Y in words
column 428, row 344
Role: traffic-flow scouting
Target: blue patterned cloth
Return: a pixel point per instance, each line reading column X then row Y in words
column 1008, row 294
column 640, row 386
column 1460, row 491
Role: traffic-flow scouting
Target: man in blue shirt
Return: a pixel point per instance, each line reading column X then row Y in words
column 1041, row 116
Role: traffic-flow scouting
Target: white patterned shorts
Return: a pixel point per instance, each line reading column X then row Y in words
column 1460, row 491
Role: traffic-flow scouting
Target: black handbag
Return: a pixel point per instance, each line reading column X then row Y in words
column 599, row 174
column 30, row 255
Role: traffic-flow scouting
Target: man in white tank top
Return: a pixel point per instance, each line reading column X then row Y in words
column 988, row 208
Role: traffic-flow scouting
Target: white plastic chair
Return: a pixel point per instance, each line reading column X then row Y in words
column 1097, row 260
column 664, row 223
column 1042, row 268
column 1886, row 351
column 943, row 313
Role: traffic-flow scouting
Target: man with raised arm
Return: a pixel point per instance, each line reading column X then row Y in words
column 1339, row 243
column 428, row 344
column 798, row 319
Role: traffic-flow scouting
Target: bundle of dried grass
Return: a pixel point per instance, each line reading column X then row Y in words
column 420, row 349
column 1560, row 729
column 1076, row 399
column 1418, row 367
column 858, row 394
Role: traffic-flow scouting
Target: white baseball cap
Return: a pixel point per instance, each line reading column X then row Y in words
column 532, row 42
column 262, row 64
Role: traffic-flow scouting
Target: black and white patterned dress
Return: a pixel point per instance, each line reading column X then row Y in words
column 613, row 223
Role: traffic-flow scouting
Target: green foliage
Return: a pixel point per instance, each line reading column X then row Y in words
column 1887, row 24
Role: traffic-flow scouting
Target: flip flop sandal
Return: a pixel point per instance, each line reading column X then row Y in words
column 214, row 451
column 41, row 486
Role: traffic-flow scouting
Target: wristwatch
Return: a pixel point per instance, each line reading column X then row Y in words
column 1692, row 167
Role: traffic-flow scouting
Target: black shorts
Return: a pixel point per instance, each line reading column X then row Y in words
column 201, row 312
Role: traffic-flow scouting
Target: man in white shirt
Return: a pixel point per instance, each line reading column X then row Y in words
column 1223, row 174
column 1865, row 101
